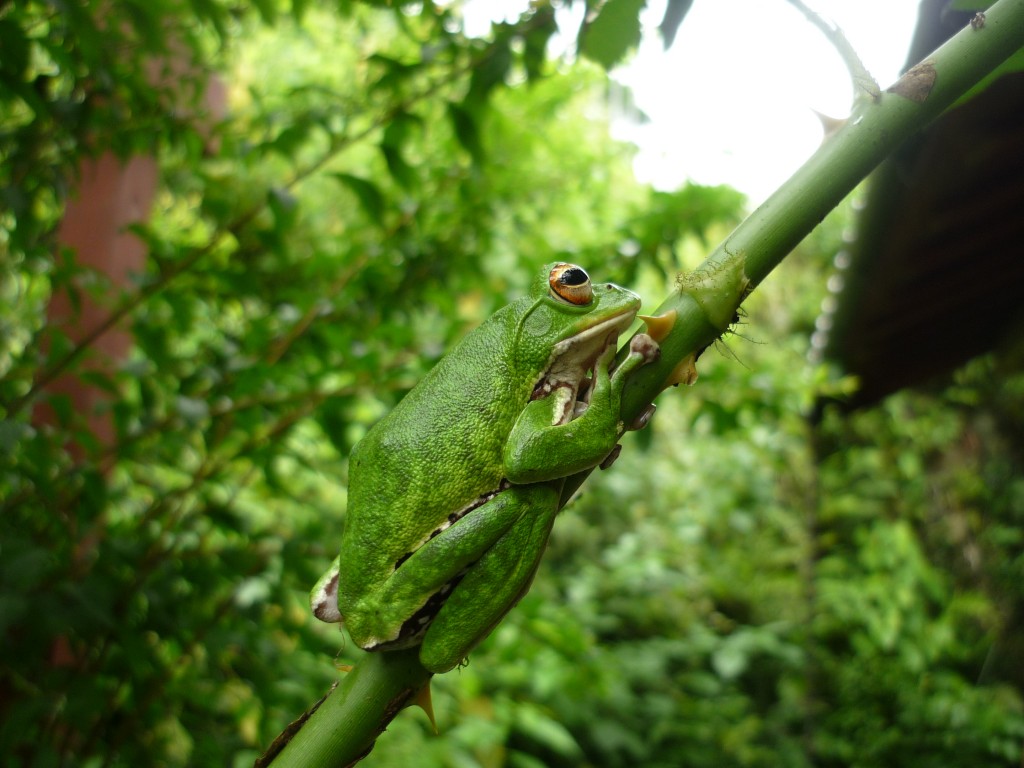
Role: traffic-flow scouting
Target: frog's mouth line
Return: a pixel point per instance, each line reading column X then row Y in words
column 570, row 373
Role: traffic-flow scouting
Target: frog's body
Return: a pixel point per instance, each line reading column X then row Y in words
column 452, row 494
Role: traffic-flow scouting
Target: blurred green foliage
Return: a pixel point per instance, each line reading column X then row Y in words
column 744, row 588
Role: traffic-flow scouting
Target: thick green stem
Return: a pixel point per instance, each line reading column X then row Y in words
column 343, row 728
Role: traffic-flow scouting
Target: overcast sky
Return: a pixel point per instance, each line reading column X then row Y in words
column 733, row 100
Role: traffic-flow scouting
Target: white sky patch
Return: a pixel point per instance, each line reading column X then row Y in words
column 733, row 100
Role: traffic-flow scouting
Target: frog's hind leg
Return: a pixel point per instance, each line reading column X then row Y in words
column 494, row 584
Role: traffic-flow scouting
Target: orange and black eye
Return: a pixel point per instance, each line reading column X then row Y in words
column 570, row 283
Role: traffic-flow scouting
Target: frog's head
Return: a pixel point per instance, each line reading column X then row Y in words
column 569, row 325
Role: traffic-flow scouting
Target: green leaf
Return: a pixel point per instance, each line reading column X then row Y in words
column 396, row 136
column 284, row 205
column 395, row 72
column 288, row 141
column 11, row 434
column 367, row 193
column 467, row 131
column 615, row 31
column 400, row 170
column 334, row 419
column 192, row 410
column 400, row 128
column 267, row 10
column 94, row 493
column 492, row 69
column 146, row 19
column 100, row 380
column 540, row 727
column 62, row 409
column 729, row 660
column 15, row 47
column 535, row 42
column 299, row 9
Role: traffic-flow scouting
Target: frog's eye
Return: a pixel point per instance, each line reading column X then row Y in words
column 570, row 283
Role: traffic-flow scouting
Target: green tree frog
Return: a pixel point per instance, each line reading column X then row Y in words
column 452, row 495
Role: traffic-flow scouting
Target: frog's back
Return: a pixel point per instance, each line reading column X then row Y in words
column 435, row 453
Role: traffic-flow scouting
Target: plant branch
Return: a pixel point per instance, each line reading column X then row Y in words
column 706, row 301
column 341, row 729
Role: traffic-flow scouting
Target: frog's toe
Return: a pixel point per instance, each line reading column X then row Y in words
column 644, row 346
column 611, row 457
column 643, row 419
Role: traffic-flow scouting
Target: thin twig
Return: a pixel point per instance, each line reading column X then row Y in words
column 859, row 75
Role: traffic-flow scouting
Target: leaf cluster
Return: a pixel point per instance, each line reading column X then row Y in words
column 364, row 203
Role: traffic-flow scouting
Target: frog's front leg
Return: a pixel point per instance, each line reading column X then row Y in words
column 543, row 447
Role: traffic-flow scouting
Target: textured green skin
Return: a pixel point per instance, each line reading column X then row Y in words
column 466, row 427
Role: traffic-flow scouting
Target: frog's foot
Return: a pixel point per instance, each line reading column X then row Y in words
column 643, row 419
column 642, row 350
column 323, row 598
column 576, row 367
column 646, row 347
